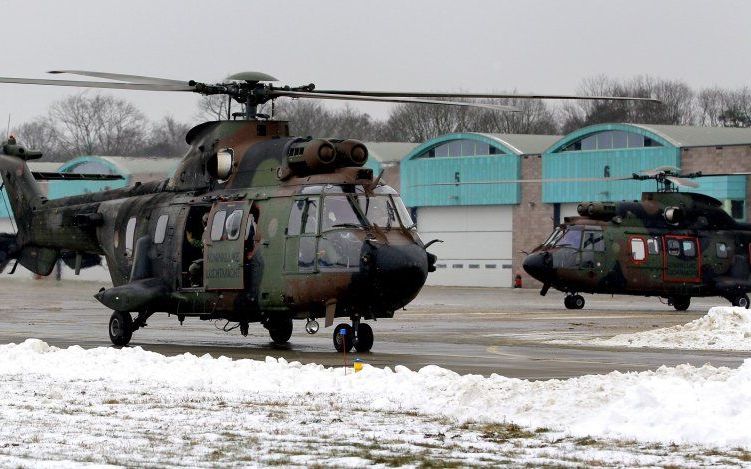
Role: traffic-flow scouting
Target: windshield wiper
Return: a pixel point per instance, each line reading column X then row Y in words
column 346, row 225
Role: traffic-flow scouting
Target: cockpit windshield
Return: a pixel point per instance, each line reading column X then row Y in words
column 351, row 207
column 563, row 237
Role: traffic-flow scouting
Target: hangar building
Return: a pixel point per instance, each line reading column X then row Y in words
column 477, row 222
column 486, row 227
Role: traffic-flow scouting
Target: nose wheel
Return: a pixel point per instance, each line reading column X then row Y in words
column 575, row 301
column 121, row 328
column 359, row 335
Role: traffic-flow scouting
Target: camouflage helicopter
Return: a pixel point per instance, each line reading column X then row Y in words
column 674, row 245
column 255, row 225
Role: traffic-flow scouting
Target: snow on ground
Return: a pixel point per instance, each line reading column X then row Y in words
column 723, row 328
column 133, row 407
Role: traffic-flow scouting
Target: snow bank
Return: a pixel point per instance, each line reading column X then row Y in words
column 704, row 405
column 723, row 328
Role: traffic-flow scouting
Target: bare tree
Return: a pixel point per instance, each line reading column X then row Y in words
column 97, row 125
column 312, row 118
column 167, row 138
column 39, row 134
column 214, row 108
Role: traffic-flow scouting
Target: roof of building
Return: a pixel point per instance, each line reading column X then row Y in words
column 127, row 165
column 389, row 152
column 691, row 136
column 525, row 144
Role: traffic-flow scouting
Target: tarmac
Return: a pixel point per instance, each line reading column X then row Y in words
column 468, row 330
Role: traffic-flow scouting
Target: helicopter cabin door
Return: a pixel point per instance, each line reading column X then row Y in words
column 681, row 258
column 225, row 246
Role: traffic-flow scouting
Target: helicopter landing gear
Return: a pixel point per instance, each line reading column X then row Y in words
column 740, row 301
column 343, row 338
column 680, row 303
column 280, row 330
column 365, row 338
column 121, row 328
column 574, row 301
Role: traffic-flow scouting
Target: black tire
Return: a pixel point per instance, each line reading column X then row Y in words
column 577, row 302
column 681, row 303
column 121, row 328
column 741, row 301
column 343, row 342
column 567, row 302
column 280, row 330
column 364, row 338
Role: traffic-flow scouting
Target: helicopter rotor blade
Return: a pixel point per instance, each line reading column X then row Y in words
column 523, row 181
column 678, row 181
column 411, row 94
column 97, row 84
column 660, row 170
column 123, row 77
column 347, row 97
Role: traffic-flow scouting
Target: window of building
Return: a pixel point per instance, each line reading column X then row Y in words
column 161, row 229
column 611, row 140
column 722, row 250
column 461, row 147
column 638, row 250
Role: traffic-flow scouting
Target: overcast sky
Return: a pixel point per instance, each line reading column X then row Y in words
column 436, row 45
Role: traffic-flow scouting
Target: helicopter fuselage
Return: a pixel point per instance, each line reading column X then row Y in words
column 672, row 245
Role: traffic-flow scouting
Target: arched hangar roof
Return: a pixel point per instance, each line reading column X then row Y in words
column 126, row 166
column 676, row 136
column 514, row 144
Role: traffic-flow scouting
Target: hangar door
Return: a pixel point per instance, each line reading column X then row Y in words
column 476, row 248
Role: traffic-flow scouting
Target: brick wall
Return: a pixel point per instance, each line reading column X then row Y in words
column 728, row 159
column 532, row 220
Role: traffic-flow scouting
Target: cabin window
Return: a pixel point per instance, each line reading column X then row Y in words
column 303, row 219
column 130, row 233
column 638, row 250
column 161, row 229
column 722, row 250
column 674, row 247
column 653, row 246
column 217, row 226
column 593, row 241
column 233, row 224
column 689, row 248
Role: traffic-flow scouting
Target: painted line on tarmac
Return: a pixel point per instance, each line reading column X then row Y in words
column 494, row 350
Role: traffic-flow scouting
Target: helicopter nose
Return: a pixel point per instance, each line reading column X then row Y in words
column 394, row 274
column 539, row 265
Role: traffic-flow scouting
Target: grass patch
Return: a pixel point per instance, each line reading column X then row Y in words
column 502, row 432
column 585, row 441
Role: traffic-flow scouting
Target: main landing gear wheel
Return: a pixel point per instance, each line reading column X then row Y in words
column 121, row 328
column 280, row 330
column 364, row 338
column 681, row 303
column 574, row 302
column 741, row 301
column 343, row 338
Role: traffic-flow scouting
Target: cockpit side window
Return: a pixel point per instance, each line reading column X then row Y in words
column 593, row 241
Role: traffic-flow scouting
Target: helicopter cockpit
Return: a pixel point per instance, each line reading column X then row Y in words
column 331, row 223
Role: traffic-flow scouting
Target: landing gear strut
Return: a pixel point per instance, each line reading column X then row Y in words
column 574, row 301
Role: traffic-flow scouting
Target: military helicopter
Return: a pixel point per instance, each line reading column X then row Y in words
column 671, row 244
column 255, row 225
